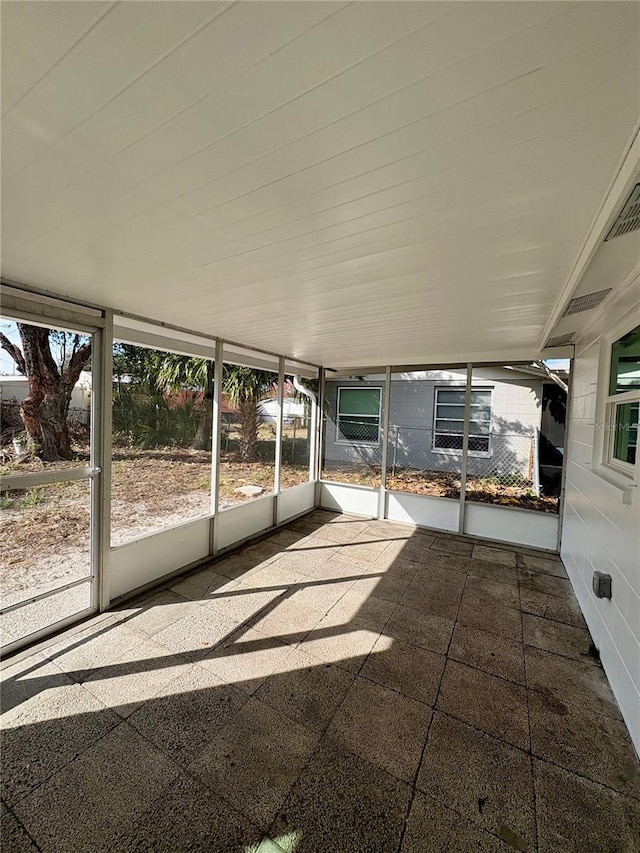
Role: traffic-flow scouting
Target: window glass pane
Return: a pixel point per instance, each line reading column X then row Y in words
column 351, row 447
column 359, row 401
column 162, row 425
column 625, row 363
column 451, row 412
column 54, row 432
column 449, row 426
column 450, row 396
column 358, row 429
column 626, row 432
column 481, row 398
column 296, row 434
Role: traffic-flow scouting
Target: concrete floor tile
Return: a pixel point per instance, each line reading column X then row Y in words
column 581, row 683
column 155, row 612
column 195, row 635
column 287, row 621
column 346, row 646
column 496, row 706
column 195, row 586
column 238, row 566
column 433, row 828
column 310, row 692
column 490, row 616
column 382, row 726
column 189, row 816
column 111, row 643
column 501, row 593
column 500, row 556
column 127, row 686
column 493, row 572
column 239, row 603
column 428, row 594
column 588, row 744
column 13, row 836
column 342, row 804
column 254, row 760
column 565, row 609
column 420, row 629
column 365, row 609
column 484, row 779
column 247, row 657
column 47, row 720
column 545, row 584
column 556, row 637
column 495, row 655
column 453, row 546
column 180, row 720
column 545, row 565
column 448, row 561
column 576, row 815
column 320, row 594
column 96, row 796
column 410, row 670
column 391, row 586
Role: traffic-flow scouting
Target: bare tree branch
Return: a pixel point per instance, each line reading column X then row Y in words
column 14, row 351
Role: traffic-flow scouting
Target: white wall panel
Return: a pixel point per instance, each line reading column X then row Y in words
column 240, row 522
column 439, row 513
column 602, row 532
column 345, row 498
column 295, row 500
column 509, row 524
column 148, row 559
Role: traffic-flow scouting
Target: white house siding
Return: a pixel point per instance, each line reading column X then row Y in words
column 516, row 413
column 16, row 388
column 601, row 532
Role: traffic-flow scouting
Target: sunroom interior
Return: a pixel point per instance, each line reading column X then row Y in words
column 413, row 230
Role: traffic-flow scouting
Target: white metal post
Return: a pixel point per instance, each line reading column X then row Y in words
column 386, row 410
column 465, row 448
column 319, row 435
column 278, row 460
column 101, row 429
column 215, row 447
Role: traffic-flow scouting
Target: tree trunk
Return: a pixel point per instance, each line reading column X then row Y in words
column 248, row 409
column 45, row 410
column 202, row 440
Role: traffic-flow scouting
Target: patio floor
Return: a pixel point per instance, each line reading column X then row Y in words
column 342, row 686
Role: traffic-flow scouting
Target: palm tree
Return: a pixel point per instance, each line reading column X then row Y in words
column 245, row 387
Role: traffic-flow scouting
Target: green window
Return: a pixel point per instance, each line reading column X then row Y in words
column 448, row 432
column 624, row 399
column 359, row 415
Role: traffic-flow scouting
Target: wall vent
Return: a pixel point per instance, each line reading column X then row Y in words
column 559, row 341
column 629, row 217
column 586, row 302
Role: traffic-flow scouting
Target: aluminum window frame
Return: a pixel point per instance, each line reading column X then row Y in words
column 454, row 451
column 346, row 441
column 612, row 403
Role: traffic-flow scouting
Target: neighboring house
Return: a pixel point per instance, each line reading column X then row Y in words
column 16, row 387
column 292, row 408
column 427, row 419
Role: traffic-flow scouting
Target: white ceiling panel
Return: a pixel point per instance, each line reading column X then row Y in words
column 342, row 183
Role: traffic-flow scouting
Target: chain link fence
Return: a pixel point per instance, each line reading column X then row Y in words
column 352, row 450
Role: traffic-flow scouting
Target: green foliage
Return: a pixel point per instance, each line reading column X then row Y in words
column 148, row 421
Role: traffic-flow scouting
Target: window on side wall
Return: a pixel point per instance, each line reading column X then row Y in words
column 623, row 404
column 359, row 415
column 448, row 432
